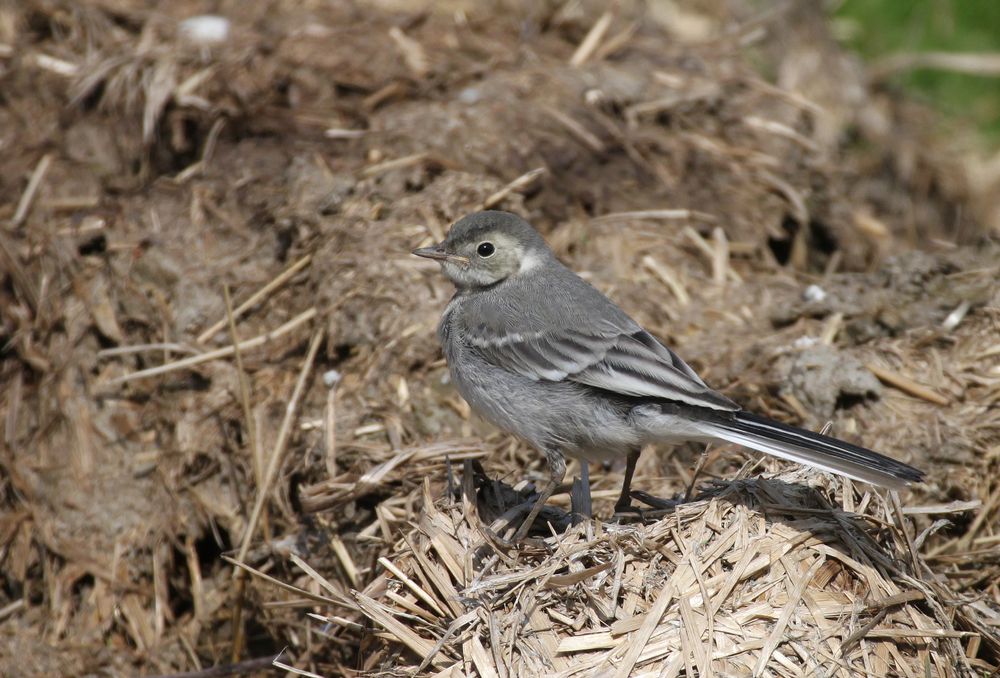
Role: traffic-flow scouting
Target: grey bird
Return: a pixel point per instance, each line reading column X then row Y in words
column 542, row 354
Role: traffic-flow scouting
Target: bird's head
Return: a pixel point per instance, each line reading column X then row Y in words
column 485, row 248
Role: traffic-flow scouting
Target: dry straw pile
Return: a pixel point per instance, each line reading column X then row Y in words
column 752, row 577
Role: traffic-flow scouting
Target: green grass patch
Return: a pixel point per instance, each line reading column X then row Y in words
column 878, row 28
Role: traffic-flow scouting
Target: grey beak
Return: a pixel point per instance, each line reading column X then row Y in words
column 432, row 252
column 439, row 253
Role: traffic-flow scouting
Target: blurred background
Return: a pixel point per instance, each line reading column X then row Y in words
column 963, row 88
column 802, row 198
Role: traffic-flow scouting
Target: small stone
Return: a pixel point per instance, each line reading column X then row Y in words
column 814, row 293
column 205, row 29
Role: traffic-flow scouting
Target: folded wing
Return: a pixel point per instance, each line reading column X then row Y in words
column 630, row 362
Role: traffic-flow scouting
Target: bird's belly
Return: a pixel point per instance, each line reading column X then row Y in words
column 547, row 414
column 599, row 455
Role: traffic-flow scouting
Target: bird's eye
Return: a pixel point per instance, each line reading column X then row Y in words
column 486, row 249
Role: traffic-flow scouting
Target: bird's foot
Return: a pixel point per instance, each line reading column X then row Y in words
column 626, row 512
column 656, row 503
column 509, row 531
column 525, row 545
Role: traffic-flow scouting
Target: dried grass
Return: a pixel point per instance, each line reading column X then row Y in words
column 751, row 577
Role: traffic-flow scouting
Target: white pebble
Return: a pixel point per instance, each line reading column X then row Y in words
column 470, row 95
column 814, row 293
column 205, row 29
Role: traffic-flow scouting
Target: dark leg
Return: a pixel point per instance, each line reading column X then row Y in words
column 624, row 502
column 580, row 499
column 557, row 471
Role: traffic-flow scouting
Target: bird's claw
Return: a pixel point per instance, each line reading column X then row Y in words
column 633, row 513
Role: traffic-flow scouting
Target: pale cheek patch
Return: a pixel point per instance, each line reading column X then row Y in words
column 466, row 276
column 529, row 262
column 450, row 269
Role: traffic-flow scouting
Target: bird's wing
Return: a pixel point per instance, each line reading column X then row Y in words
column 637, row 364
column 624, row 360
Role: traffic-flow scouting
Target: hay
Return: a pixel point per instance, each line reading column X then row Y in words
column 752, row 577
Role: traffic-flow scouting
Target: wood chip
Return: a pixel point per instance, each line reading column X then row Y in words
column 906, row 385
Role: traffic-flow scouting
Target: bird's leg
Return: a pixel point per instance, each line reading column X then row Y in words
column 624, row 502
column 557, row 471
column 581, row 507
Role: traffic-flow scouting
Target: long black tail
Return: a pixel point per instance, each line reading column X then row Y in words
column 814, row 449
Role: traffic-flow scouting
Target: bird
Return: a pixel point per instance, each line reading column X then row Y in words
column 542, row 354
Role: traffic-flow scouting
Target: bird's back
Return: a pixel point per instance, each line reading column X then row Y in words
column 543, row 301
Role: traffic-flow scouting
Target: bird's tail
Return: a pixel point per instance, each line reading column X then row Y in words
column 813, row 449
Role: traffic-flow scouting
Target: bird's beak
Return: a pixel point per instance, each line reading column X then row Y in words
column 439, row 253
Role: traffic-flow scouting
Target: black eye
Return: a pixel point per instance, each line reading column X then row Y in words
column 486, row 249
